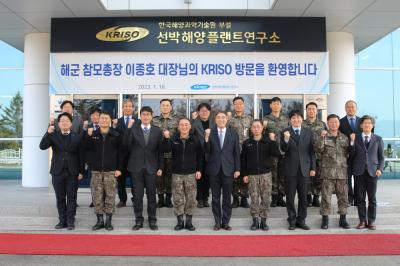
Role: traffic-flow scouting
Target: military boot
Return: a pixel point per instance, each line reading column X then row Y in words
column 274, row 201
column 160, row 202
column 168, row 200
column 180, row 225
column 99, row 224
column 255, row 225
column 315, row 202
column 188, row 225
column 263, row 224
column 244, row 203
column 325, row 222
column 108, row 226
column 343, row 223
column 235, row 202
column 281, row 202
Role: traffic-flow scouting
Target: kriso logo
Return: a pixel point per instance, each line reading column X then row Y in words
column 125, row 34
column 198, row 87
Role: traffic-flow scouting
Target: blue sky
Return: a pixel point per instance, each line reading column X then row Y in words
column 11, row 81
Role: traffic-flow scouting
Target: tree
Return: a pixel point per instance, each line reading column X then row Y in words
column 11, row 118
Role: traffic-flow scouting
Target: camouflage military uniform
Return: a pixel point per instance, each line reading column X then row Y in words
column 316, row 128
column 276, row 125
column 163, row 183
column 241, row 124
column 103, row 191
column 260, row 187
column 184, row 189
column 334, row 155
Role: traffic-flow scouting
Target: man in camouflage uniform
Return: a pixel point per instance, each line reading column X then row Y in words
column 333, row 148
column 316, row 126
column 256, row 165
column 105, row 149
column 240, row 122
column 166, row 121
column 187, row 163
column 275, row 122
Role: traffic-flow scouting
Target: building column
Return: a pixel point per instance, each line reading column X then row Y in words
column 341, row 71
column 35, row 162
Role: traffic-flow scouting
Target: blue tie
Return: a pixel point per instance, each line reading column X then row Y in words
column 126, row 121
column 352, row 123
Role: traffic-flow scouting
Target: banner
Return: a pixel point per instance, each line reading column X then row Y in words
column 189, row 73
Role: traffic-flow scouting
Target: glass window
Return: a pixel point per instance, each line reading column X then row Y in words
column 377, row 55
column 179, row 103
column 368, row 83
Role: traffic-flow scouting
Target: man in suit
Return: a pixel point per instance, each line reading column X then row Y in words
column 121, row 124
column 77, row 124
column 299, row 165
column 144, row 144
column 222, row 148
column 201, row 123
column 350, row 124
column 67, row 167
column 367, row 153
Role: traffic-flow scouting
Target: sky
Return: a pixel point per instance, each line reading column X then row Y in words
column 11, row 79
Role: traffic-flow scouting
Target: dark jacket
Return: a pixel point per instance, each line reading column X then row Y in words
column 256, row 156
column 227, row 158
column 186, row 159
column 370, row 159
column 345, row 127
column 104, row 153
column 73, row 153
column 142, row 156
column 298, row 155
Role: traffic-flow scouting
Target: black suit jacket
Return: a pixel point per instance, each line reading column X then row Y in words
column 74, row 153
column 227, row 158
column 345, row 127
column 121, row 127
column 141, row 156
column 371, row 159
column 298, row 155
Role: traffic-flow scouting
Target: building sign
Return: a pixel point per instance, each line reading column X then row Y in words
column 189, row 55
column 188, row 34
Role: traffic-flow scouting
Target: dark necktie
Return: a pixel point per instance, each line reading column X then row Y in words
column 352, row 124
column 366, row 142
column 126, row 121
column 297, row 135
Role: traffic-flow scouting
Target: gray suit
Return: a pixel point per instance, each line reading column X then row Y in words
column 367, row 159
column 299, row 160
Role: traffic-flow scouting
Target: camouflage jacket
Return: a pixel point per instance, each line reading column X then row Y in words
column 334, row 154
column 241, row 124
column 170, row 124
column 276, row 124
column 316, row 128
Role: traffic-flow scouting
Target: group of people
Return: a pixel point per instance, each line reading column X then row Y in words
column 179, row 159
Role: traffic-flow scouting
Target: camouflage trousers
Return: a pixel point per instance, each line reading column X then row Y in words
column 316, row 182
column 260, row 194
column 240, row 189
column 163, row 182
column 184, row 193
column 329, row 186
column 103, row 186
column 278, row 182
